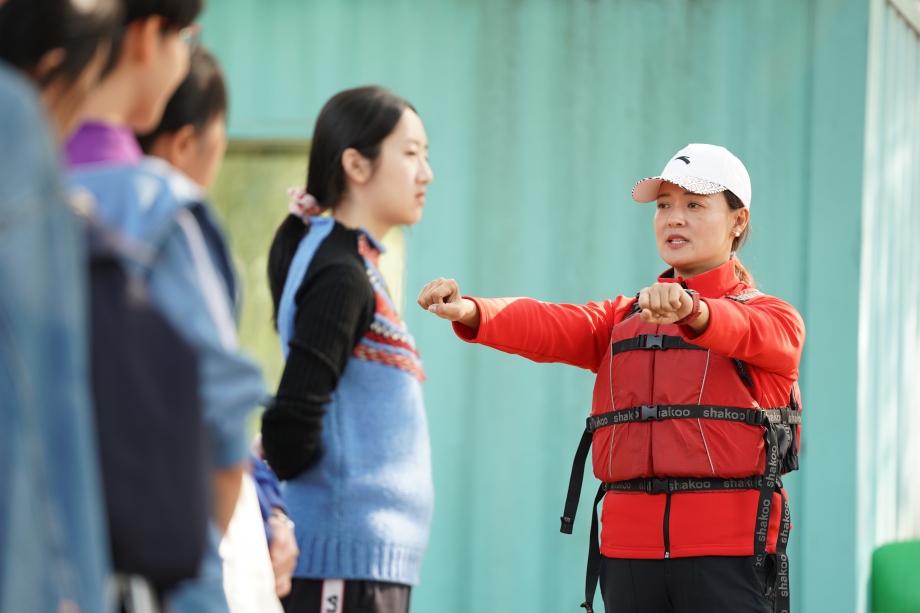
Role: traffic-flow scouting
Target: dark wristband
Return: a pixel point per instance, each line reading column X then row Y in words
column 694, row 313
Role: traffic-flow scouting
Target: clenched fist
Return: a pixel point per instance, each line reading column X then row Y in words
column 442, row 297
column 666, row 303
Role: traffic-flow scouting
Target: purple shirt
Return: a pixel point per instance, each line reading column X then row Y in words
column 95, row 142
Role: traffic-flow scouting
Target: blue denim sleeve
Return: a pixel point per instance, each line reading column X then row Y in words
column 53, row 542
column 231, row 385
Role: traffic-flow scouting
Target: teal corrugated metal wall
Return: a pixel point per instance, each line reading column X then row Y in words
column 541, row 117
column 889, row 339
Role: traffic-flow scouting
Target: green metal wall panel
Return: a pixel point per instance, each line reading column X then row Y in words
column 889, row 333
column 541, row 116
column 837, row 118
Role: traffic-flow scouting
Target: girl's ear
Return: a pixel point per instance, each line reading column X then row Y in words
column 141, row 40
column 358, row 169
column 48, row 63
column 177, row 147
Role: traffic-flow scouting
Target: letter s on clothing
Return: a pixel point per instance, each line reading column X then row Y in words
column 333, row 600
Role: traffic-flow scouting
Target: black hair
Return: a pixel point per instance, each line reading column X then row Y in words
column 734, row 203
column 177, row 14
column 360, row 119
column 201, row 97
column 29, row 29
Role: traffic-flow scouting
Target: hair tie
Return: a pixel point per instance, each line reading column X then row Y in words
column 303, row 204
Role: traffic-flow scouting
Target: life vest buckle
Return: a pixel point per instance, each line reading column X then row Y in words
column 566, row 525
column 652, row 341
column 659, row 486
column 648, row 412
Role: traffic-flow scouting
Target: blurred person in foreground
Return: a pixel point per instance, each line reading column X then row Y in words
column 191, row 280
column 192, row 138
column 53, row 554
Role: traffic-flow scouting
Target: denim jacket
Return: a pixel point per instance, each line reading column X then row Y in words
column 53, row 546
column 191, row 280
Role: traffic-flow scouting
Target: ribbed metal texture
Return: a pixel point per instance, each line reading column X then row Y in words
column 889, row 333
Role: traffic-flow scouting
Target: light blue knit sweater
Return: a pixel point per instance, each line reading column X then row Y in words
column 364, row 511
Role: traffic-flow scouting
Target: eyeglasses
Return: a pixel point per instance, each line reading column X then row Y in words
column 191, row 36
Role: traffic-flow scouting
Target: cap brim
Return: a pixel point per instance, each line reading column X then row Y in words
column 646, row 190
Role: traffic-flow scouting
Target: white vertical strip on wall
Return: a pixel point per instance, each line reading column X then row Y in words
column 889, row 321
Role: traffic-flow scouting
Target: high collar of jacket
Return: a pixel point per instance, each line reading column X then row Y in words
column 718, row 282
column 95, row 142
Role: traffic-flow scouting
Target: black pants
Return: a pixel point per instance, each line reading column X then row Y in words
column 709, row 584
column 360, row 597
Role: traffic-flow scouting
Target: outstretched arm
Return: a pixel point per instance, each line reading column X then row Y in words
column 565, row 333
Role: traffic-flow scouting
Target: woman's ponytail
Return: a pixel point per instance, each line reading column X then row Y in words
column 734, row 203
column 741, row 272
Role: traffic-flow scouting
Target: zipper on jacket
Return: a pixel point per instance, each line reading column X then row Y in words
column 667, row 519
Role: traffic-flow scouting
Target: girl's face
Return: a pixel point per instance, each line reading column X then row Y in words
column 163, row 54
column 694, row 232
column 401, row 174
column 209, row 146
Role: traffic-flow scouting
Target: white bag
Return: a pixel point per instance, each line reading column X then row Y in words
column 249, row 580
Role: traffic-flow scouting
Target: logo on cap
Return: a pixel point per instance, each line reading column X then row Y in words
column 683, row 158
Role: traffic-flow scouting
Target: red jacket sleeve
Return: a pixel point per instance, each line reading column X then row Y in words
column 565, row 333
column 765, row 332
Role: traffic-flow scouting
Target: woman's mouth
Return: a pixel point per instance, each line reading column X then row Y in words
column 676, row 241
column 420, row 197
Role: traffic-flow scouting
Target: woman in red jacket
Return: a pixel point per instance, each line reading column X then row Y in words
column 695, row 411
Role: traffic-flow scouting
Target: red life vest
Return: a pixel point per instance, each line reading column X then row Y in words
column 672, row 447
column 671, row 417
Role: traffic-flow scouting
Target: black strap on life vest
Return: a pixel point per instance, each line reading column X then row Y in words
column 679, row 485
column 781, row 585
column 658, row 412
column 575, row 481
column 651, row 341
column 594, row 555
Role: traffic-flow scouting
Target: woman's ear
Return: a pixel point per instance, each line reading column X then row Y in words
column 358, row 169
column 742, row 218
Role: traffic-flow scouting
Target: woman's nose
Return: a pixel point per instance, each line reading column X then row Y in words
column 425, row 175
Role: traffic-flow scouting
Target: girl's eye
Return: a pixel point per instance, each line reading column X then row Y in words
column 663, row 205
column 693, row 205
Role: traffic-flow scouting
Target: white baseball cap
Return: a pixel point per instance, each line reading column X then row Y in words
column 700, row 169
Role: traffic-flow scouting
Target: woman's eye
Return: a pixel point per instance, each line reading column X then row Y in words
column 693, row 205
column 663, row 205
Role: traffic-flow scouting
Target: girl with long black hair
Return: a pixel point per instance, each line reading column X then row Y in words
column 348, row 430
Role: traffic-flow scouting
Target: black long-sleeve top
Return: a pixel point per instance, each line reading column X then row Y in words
column 335, row 309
